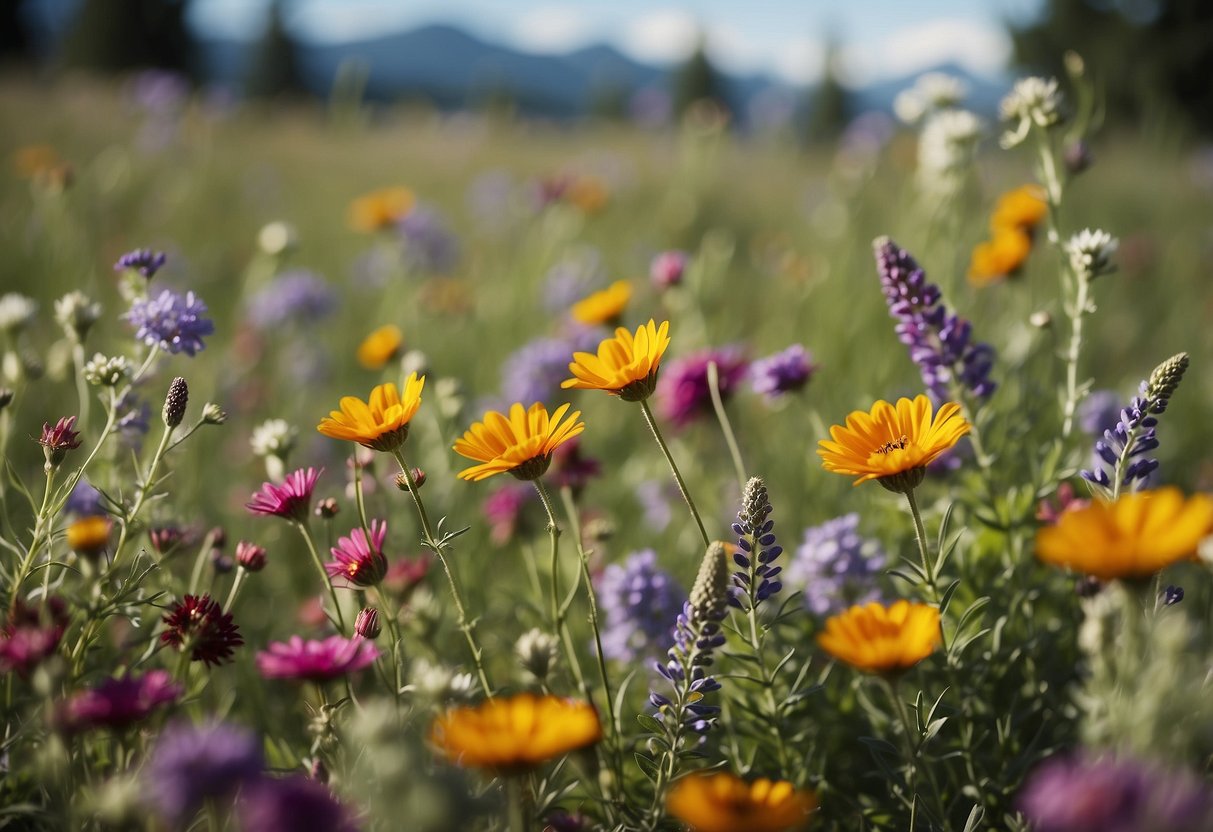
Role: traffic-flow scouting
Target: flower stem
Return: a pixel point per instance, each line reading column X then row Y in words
column 920, row 532
column 1077, row 312
column 306, row 533
column 438, row 549
column 41, row 528
column 682, row 486
column 231, row 596
column 725, row 426
column 145, row 488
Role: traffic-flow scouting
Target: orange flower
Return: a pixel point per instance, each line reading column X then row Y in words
column 521, row 444
column 588, row 194
column 722, row 802
column 380, row 347
column 1021, row 208
column 892, row 443
column 626, row 365
column 1133, row 537
column 515, row 732
column 89, row 535
column 1000, row 257
column 380, row 209
column 880, row 639
column 382, row 423
column 605, row 306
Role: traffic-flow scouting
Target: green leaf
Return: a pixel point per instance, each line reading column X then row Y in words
column 647, row 766
column 651, row 725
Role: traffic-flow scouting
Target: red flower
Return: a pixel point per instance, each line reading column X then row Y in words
column 198, row 623
column 61, row 437
column 315, row 661
column 292, row 500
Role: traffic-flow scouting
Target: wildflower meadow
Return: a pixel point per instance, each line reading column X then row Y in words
column 396, row 470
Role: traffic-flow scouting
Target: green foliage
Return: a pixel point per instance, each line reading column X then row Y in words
column 275, row 66
column 698, row 80
column 110, row 36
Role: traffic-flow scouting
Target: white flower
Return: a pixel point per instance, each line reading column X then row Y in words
column 948, row 140
column 277, row 238
column 932, row 92
column 103, row 371
column 76, row 312
column 1091, row 253
column 536, row 651
column 414, row 361
column 1032, row 101
column 273, row 437
column 16, row 312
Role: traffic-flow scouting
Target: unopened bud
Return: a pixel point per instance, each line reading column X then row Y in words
column 175, row 402
column 250, row 556
column 536, row 652
column 418, row 479
column 213, row 414
column 367, row 623
column 327, row 508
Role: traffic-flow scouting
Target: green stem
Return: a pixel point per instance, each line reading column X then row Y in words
column 1077, row 312
column 145, row 488
column 437, row 548
column 81, row 382
column 920, row 532
column 682, row 486
column 236, row 582
column 306, row 534
column 725, row 426
column 41, row 527
column 554, row 550
column 517, row 803
column 908, row 734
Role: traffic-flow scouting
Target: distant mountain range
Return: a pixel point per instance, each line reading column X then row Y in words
column 453, row 69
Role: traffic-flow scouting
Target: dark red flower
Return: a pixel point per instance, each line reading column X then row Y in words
column 199, row 624
column 61, row 437
column 571, row 468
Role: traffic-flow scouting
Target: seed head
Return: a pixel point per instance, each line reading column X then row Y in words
column 1164, row 380
column 710, row 592
column 175, row 402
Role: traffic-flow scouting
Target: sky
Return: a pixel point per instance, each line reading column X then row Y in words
column 877, row 39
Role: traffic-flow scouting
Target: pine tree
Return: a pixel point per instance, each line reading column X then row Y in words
column 697, row 80
column 829, row 106
column 112, row 36
column 275, row 65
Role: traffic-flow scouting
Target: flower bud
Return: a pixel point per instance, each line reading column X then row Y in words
column 213, row 414
column 536, row 651
column 221, row 562
column 76, row 312
column 175, row 402
column 418, row 479
column 250, row 556
column 103, row 371
column 327, row 508
column 367, row 623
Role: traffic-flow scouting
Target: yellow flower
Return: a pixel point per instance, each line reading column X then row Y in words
column 380, row 347
column 722, row 802
column 515, row 732
column 89, row 535
column 380, row 209
column 880, row 639
column 997, row 258
column 605, row 306
column 382, row 423
column 1021, row 208
column 521, row 444
column 1133, row 537
column 588, row 194
column 892, row 444
column 625, row 366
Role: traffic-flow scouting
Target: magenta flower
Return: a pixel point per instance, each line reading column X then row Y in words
column 358, row 561
column 120, row 703
column 61, row 437
column 292, row 500
column 682, row 391
column 667, row 269
column 31, row 635
column 405, row 574
column 315, row 660
column 292, row 803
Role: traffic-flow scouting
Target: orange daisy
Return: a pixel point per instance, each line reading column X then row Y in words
column 626, row 365
column 879, row 639
column 516, row 731
column 722, row 802
column 382, row 422
column 380, row 209
column 380, row 347
column 521, row 444
column 605, row 306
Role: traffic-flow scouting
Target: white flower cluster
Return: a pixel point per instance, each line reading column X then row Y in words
column 16, row 312
column 932, row 92
column 1032, row 102
column 103, row 371
column 945, row 149
column 1091, row 253
column 440, row 683
column 277, row 238
column 273, row 437
column 76, row 312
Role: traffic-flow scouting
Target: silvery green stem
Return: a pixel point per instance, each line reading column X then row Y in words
column 682, row 486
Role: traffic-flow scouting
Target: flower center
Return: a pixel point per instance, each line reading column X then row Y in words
column 895, row 445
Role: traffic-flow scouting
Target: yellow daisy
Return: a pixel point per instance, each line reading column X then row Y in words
column 1133, row 537
column 1000, row 257
column 626, row 365
column 380, row 347
column 892, row 443
column 515, row 732
column 382, row 423
column 879, row 639
column 605, row 306
column 380, row 209
column 1023, row 208
column 521, row 444
column 722, row 802
column 89, row 535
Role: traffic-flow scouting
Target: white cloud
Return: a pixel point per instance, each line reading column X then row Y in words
column 978, row 47
column 351, row 20
column 799, row 60
column 553, row 29
column 663, row 36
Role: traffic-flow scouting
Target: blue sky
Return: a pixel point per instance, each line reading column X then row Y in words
column 878, row 38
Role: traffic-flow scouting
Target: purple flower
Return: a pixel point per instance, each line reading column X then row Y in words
column 119, row 703
column 940, row 342
column 533, row 372
column 758, row 578
column 159, row 91
column 1083, row 794
column 299, row 297
column 574, row 277
column 572, row 468
column 193, row 764
column 315, row 661
column 667, row 269
column 682, row 389
column 429, row 244
column 171, row 321
column 292, row 804
column 292, row 500
column 142, row 260
column 133, row 423
column 638, row 601
column 359, row 562
column 1099, row 411
column 782, row 372
column 490, row 199
column 84, row 501
column 836, row 567
column 657, row 498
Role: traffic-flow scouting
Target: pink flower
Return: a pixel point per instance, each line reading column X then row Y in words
column 291, row 500
column 667, row 269
column 61, row 437
column 31, row 635
column 315, row 661
column 120, row 703
column 405, row 574
column 683, row 394
column 359, row 562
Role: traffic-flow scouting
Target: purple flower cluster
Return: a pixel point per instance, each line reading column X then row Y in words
column 298, row 296
column 638, row 600
column 429, row 244
column 1082, row 794
column 142, row 260
column 571, row 279
column 120, row 703
column 836, row 567
column 84, row 501
column 683, row 394
column 783, row 372
column 194, row 764
column 533, row 372
column 940, row 342
column 1099, row 411
column 758, row 578
column 173, row 322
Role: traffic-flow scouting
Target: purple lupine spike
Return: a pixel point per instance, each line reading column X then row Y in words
column 757, row 579
column 940, row 342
